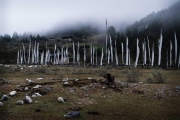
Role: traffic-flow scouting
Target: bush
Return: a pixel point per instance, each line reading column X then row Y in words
column 102, row 71
column 157, row 77
column 149, row 80
column 132, row 75
column 40, row 69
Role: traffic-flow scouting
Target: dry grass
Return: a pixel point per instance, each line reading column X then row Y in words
column 138, row 101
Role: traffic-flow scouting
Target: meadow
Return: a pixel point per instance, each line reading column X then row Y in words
column 141, row 99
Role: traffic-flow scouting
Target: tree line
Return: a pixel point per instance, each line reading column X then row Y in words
column 150, row 27
column 24, row 38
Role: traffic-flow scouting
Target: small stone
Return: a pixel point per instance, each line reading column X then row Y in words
column 36, row 95
column 39, row 78
column 18, row 85
column 103, row 87
column 1, row 104
column 4, row 97
column 46, row 89
column 20, row 102
column 65, row 83
column 177, row 88
column 12, row 93
column 28, row 100
column 72, row 114
column 60, row 99
column 65, row 79
column 76, row 79
column 71, row 90
column 37, row 86
column 26, row 88
column 30, row 82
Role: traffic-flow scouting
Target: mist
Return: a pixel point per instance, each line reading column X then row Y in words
column 44, row 16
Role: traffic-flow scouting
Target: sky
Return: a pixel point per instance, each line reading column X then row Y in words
column 43, row 15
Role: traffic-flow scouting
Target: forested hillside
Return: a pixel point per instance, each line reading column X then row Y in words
column 167, row 20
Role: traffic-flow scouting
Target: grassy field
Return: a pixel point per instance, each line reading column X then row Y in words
column 133, row 101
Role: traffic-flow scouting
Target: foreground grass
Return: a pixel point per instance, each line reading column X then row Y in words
column 110, row 104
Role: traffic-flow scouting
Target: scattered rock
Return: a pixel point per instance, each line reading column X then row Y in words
column 12, row 93
column 65, row 83
column 1, row 104
column 4, row 97
column 37, row 86
column 60, row 99
column 26, row 89
column 20, row 102
column 177, row 88
column 36, row 95
column 47, row 89
column 65, row 80
column 71, row 90
column 140, row 82
column 39, row 78
column 43, row 91
column 30, row 82
column 28, row 100
column 91, row 85
column 72, row 114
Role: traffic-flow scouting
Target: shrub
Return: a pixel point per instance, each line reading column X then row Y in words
column 157, row 77
column 102, row 71
column 17, row 68
column 40, row 69
column 149, row 80
column 132, row 75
